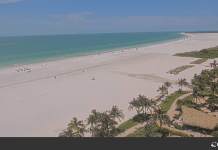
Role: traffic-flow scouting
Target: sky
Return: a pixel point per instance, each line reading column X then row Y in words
column 45, row 17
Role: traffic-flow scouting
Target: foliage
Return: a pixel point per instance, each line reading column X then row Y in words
column 167, row 85
column 187, row 101
column 211, row 101
column 76, row 128
column 214, row 133
column 127, row 124
column 163, row 89
column 182, row 82
column 210, row 53
column 161, row 116
column 169, row 101
column 199, row 61
column 178, row 126
column 172, row 132
column 179, row 69
column 141, row 104
column 149, row 130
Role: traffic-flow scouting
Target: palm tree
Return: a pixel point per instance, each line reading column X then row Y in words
column 146, row 103
column 196, row 93
column 106, row 125
column 115, row 112
column 163, row 89
column 167, row 85
column 67, row 133
column 214, row 87
column 93, row 119
column 201, row 82
column 214, row 64
column 212, row 100
column 134, row 104
column 149, row 131
column 160, row 115
column 182, row 82
column 77, row 126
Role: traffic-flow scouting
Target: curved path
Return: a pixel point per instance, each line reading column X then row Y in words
column 171, row 112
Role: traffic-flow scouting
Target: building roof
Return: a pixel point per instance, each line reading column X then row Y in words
column 197, row 118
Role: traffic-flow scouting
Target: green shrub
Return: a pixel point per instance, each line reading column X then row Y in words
column 214, row 133
column 205, row 51
column 172, row 132
column 199, row 61
column 177, row 126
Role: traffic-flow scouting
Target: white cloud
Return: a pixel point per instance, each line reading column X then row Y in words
column 9, row 1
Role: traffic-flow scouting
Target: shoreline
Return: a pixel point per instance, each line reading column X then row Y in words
column 120, row 50
column 38, row 105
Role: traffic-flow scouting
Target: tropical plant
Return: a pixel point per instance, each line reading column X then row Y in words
column 188, row 101
column 92, row 120
column 149, row 130
column 182, row 82
column 196, row 93
column 211, row 101
column 115, row 112
column 78, row 127
column 161, row 116
column 214, row 87
column 105, row 126
column 146, row 103
column 214, row 64
column 195, row 76
column 67, row 133
column 167, row 85
column 162, row 88
column 134, row 104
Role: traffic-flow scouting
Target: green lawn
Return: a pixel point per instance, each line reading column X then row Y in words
column 128, row 124
column 169, row 101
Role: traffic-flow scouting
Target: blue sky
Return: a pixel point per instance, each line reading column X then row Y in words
column 41, row 17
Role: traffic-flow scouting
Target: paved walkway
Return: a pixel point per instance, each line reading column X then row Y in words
column 132, row 129
column 171, row 112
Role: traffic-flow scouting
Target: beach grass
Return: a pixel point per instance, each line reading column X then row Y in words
column 204, row 53
column 179, row 69
column 199, row 61
column 169, row 101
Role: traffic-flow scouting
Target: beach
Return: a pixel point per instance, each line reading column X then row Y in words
column 42, row 102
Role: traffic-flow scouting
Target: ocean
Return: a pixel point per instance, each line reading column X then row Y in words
column 21, row 50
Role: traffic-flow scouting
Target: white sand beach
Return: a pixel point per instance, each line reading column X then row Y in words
column 36, row 104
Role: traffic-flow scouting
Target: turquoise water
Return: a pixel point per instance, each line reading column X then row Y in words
column 20, row 50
